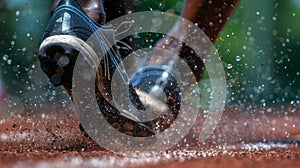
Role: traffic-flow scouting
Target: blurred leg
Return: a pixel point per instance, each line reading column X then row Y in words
column 211, row 16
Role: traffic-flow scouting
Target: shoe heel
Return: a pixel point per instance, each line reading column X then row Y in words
column 64, row 37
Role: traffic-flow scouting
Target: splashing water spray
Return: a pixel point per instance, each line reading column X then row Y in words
column 174, row 78
column 130, row 102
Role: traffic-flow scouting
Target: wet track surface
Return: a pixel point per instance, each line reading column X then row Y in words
column 54, row 140
column 250, row 155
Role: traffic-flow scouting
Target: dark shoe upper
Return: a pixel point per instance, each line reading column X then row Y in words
column 93, row 8
column 58, row 58
column 70, row 19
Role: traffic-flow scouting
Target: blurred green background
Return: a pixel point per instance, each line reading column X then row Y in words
column 260, row 49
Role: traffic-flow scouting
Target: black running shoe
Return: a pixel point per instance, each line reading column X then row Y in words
column 66, row 35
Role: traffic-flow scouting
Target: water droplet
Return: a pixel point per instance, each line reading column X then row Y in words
column 229, row 66
column 63, row 61
column 43, row 115
column 161, row 5
column 17, row 13
column 9, row 61
column 5, row 57
column 238, row 58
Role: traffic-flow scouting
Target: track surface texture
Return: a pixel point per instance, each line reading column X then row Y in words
column 246, row 137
